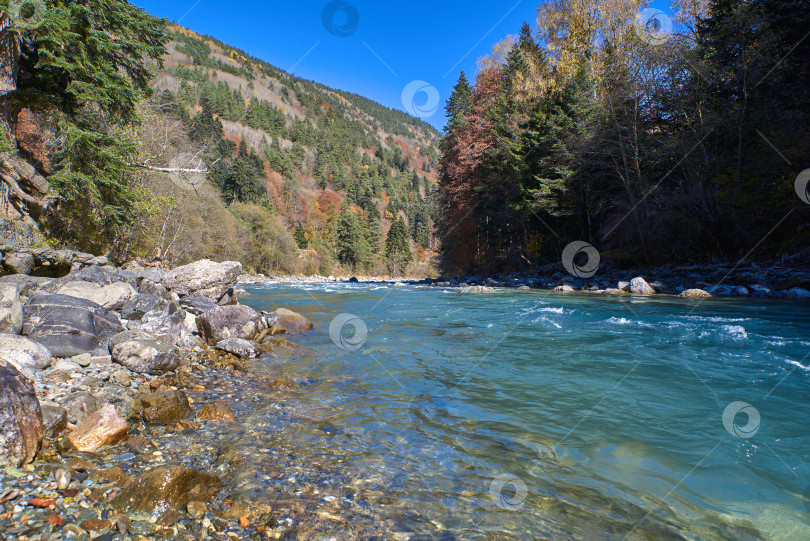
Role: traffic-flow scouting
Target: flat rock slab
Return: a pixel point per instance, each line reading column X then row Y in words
column 21, row 423
column 141, row 352
column 695, row 294
column 205, row 279
column 100, row 428
column 244, row 349
column 110, row 297
column 25, row 284
column 68, row 326
column 137, row 306
column 196, row 305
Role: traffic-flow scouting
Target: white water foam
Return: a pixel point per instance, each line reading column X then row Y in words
column 625, row 321
column 547, row 320
column 736, row 331
column 799, row 365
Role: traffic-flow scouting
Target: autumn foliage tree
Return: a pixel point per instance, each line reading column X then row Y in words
column 603, row 126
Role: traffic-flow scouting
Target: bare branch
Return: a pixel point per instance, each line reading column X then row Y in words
column 171, row 169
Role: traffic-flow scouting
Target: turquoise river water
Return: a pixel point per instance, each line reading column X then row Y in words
column 535, row 415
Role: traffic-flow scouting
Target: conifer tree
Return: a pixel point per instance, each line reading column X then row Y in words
column 352, row 243
column 396, row 244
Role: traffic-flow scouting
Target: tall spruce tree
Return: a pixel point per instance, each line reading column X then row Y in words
column 396, row 244
column 352, row 243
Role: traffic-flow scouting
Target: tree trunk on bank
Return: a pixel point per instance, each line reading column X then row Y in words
column 9, row 67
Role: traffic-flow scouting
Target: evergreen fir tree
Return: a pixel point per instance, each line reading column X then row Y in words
column 396, row 244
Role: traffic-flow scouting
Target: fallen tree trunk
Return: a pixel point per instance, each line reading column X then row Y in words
column 33, row 206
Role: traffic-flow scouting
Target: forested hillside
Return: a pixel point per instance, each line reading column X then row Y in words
column 178, row 147
column 654, row 144
column 351, row 180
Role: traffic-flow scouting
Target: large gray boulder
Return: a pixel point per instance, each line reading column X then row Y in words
column 141, row 352
column 137, row 306
column 10, row 309
column 27, row 356
column 639, row 286
column 153, row 274
column 204, row 278
column 223, row 322
column 110, row 296
column 101, row 275
column 68, row 326
column 21, row 425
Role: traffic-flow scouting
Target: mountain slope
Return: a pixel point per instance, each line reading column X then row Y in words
column 308, row 154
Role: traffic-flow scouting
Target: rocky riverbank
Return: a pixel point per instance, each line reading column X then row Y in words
column 98, row 369
column 787, row 279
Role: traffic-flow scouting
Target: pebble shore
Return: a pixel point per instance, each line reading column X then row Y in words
column 787, row 279
column 111, row 443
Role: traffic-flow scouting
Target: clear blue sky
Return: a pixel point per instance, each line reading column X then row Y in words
column 375, row 48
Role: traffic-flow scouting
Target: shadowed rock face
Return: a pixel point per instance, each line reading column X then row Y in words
column 21, row 424
column 167, row 488
column 68, row 326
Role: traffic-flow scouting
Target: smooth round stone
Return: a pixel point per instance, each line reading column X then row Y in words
column 67, row 366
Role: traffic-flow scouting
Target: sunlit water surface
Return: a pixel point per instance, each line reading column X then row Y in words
column 532, row 415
